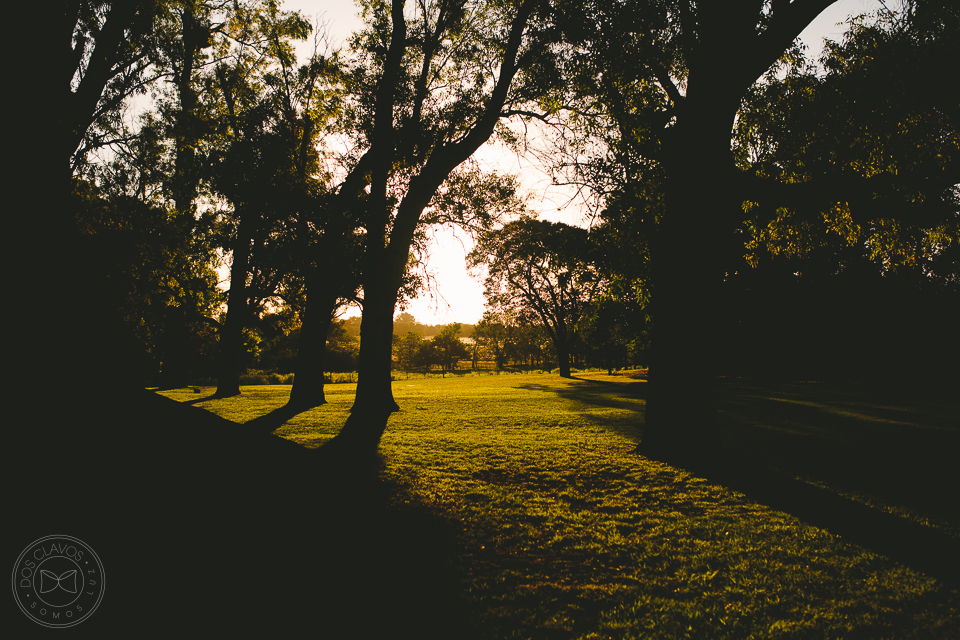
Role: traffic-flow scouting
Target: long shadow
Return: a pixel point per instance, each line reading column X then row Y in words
column 846, row 440
column 923, row 548
column 212, row 396
column 900, row 452
column 204, row 526
column 270, row 422
column 624, row 396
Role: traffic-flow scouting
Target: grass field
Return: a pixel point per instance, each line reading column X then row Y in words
column 562, row 532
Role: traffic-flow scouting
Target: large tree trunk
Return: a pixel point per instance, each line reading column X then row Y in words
column 308, row 381
column 374, row 388
column 174, row 349
column 687, row 273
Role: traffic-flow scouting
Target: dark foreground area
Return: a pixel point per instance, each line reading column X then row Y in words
column 207, row 528
column 199, row 538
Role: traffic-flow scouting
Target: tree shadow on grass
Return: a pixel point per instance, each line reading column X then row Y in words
column 212, row 396
column 839, row 441
column 603, row 394
column 233, row 532
column 270, row 422
column 899, row 451
column 836, row 456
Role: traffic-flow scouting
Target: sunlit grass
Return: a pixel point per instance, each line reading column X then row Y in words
column 563, row 533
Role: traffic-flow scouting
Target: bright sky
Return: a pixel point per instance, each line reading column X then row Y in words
column 456, row 296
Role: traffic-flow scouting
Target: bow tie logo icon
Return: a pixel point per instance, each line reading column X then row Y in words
column 50, row 581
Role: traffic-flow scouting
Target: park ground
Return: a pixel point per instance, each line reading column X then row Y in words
column 514, row 506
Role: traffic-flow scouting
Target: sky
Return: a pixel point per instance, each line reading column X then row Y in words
column 456, row 295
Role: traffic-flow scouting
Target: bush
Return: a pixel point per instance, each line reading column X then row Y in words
column 253, row 377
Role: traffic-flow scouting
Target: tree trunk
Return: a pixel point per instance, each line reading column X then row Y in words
column 563, row 359
column 308, row 381
column 374, row 388
column 174, row 349
column 231, row 347
column 231, row 334
column 687, row 273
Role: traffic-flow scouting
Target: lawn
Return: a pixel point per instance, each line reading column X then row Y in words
column 562, row 532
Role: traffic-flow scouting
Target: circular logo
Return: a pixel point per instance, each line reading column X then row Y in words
column 58, row 581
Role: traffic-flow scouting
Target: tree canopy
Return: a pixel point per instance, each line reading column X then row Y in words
column 544, row 270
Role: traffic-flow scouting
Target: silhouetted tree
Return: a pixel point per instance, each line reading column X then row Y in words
column 96, row 61
column 671, row 77
column 263, row 169
column 430, row 90
column 543, row 270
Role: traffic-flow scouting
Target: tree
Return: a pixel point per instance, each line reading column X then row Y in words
column 880, row 219
column 135, row 253
column 263, row 172
column 429, row 92
column 542, row 270
column 859, row 131
column 106, row 60
column 671, row 77
column 97, row 61
column 409, row 348
column 445, row 349
column 493, row 334
column 166, row 155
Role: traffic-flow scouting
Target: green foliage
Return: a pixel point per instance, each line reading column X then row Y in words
column 505, row 338
column 543, row 272
column 408, row 349
column 862, row 123
column 445, row 349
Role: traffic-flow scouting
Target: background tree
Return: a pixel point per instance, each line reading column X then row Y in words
column 493, row 335
column 157, row 159
column 408, row 349
column 264, row 169
column 542, row 270
column 445, row 349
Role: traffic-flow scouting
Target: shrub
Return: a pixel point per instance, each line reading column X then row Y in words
column 253, row 377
